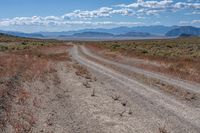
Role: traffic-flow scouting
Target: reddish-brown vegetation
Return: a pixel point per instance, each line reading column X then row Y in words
column 16, row 67
column 187, row 68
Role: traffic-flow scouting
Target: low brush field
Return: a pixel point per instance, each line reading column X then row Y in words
column 178, row 57
column 24, row 61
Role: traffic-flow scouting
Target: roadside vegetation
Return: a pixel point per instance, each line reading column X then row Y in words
column 25, row 60
column 9, row 43
column 170, row 48
column 179, row 57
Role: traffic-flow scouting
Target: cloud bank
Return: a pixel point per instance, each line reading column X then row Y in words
column 139, row 10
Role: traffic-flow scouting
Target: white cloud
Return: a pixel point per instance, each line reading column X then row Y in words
column 123, row 11
column 74, row 17
column 102, row 12
column 183, row 5
column 157, row 23
column 148, row 4
column 149, row 12
column 140, row 9
column 196, row 12
column 150, row 7
column 54, row 21
column 184, row 22
column 34, row 21
column 52, row 18
column 189, row 22
column 195, row 22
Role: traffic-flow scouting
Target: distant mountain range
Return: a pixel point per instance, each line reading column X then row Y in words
column 184, row 30
column 104, row 34
column 155, row 30
column 5, row 35
column 120, row 32
column 21, row 34
column 135, row 34
column 93, row 34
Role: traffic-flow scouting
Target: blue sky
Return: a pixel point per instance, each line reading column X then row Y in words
column 63, row 15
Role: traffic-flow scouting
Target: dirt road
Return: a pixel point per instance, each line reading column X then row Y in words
column 151, row 107
column 70, row 89
column 177, row 82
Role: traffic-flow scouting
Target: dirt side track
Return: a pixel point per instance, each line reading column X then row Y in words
column 168, row 79
column 155, row 106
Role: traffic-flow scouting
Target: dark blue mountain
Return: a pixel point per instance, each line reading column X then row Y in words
column 135, row 34
column 156, row 30
column 92, row 34
column 21, row 34
column 189, row 30
column 139, row 31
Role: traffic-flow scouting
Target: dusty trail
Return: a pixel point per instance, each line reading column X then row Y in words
column 168, row 79
column 190, row 117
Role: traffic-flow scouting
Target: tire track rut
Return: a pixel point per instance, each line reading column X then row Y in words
column 194, row 87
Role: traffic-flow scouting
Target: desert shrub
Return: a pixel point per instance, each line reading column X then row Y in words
column 3, row 48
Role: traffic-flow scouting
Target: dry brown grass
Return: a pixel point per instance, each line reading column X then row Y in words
column 82, row 71
column 25, row 123
column 181, row 59
column 22, row 96
column 178, row 92
column 32, row 62
column 24, row 65
column 163, row 130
